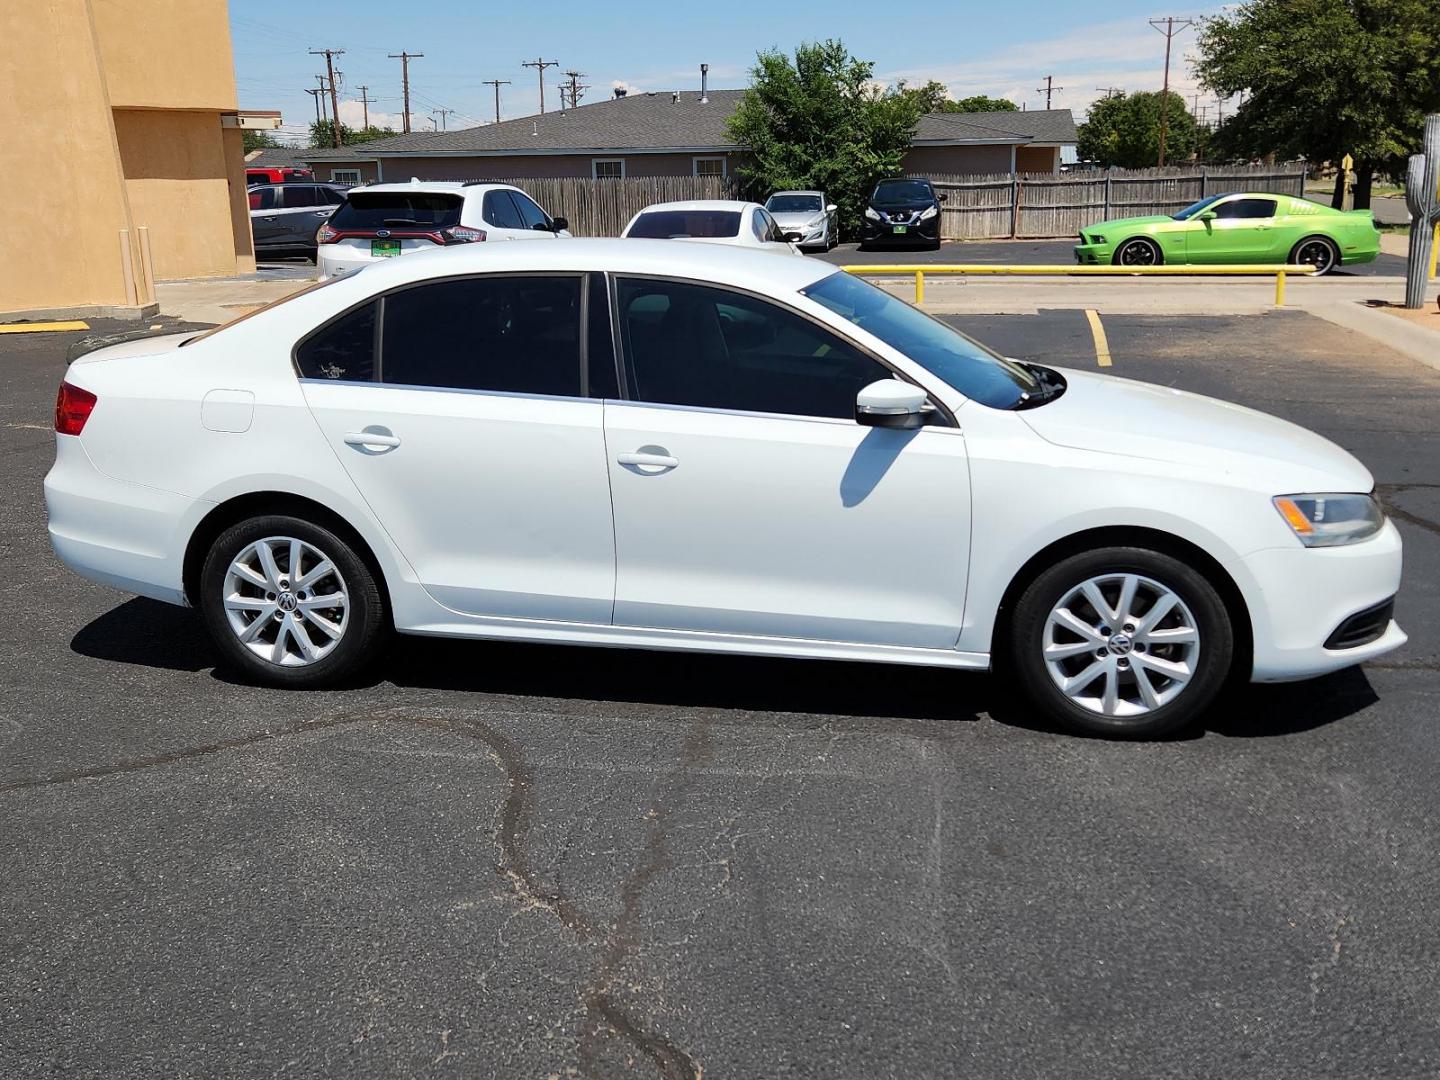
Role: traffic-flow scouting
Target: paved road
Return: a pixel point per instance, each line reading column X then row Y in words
column 518, row 862
column 1037, row 253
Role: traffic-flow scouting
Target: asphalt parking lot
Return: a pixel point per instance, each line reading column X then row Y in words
column 1036, row 253
column 509, row 861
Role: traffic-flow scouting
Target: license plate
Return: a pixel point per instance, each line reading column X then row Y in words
column 384, row 249
column 901, row 228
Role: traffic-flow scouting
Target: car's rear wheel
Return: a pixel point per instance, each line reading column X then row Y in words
column 289, row 603
column 1138, row 253
column 1317, row 251
column 1124, row 642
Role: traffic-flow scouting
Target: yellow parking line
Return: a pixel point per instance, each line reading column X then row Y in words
column 1102, row 347
column 41, row 327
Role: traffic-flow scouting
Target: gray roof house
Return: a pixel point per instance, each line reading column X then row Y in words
column 675, row 134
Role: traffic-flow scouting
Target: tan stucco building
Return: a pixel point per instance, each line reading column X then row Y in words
column 121, row 151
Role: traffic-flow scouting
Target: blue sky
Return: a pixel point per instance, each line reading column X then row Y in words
column 1003, row 50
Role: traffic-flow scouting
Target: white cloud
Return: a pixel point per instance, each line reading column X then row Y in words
column 352, row 114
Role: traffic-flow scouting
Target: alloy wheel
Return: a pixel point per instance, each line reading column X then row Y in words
column 1121, row 645
column 286, row 601
column 1137, row 253
column 1316, row 253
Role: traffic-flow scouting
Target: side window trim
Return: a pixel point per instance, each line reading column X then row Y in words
column 629, row 388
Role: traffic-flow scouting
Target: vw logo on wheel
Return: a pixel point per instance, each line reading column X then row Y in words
column 287, row 601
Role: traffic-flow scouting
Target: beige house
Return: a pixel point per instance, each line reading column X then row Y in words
column 674, row 134
column 121, row 152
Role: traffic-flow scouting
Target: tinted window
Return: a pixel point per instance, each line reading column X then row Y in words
column 760, row 225
column 397, row 210
column 1246, row 208
column 902, row 191
column 498, row 209
column 673, row 224
column 1195, row 208
column 695, row 345
column 530, row 213
column 262, row 198
column 517, row 334
column 302, row 195
column 604, row 381
column 343, row 350
column 332, row 197
column 793, row 204
column 966, row 365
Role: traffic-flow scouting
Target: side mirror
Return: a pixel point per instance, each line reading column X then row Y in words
column 1206, row 215
column 941, row 196
column 831, row 208
column 557, row 224
column 891, row 403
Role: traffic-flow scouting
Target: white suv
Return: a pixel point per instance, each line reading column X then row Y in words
column 380, row 221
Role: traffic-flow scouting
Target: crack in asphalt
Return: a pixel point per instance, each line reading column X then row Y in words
column 1386, row 492
column 514, row 817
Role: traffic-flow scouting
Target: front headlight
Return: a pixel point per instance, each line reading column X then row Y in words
column 930, row 211
column 1330, row 520
column 816, row 221
column 1096, row 238
column 871, row 214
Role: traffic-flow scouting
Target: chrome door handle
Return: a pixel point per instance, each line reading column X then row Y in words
column 372, row 440
column 654, row 459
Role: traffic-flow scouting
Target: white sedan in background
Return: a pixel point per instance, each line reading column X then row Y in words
column 644, row 444
column 806, row 217
column 713, row 221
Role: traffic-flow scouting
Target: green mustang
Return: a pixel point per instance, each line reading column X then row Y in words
column 1233, row 229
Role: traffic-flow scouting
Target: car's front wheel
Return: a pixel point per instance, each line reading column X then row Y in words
column 1123, row 641
column 289, row 603
column 1138, row 253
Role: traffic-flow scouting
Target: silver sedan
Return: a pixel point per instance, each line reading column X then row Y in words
column 806, row 217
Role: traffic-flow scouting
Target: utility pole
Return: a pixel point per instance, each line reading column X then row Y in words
column 575, row 86
column 1171, row 26
column 315, row 93
column 405, row 58
column 365, row 100
column 1048, row 89
column 1110, row 91
column 443, row 114
column 330, row 55
column 497, row 83
column 324, row 89
column 541, row 64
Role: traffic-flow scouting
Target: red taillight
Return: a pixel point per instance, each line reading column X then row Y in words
column 463, row 234
column 325, row 235
column 73, row 407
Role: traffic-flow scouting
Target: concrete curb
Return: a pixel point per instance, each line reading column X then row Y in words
column 1417, row 342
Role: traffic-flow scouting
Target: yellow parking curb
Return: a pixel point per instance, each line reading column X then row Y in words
column 1102, row 346
column 41, row 327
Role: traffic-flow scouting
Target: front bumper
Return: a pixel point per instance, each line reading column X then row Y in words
column 1093, row 254
column 1304, row 595
column 923, row 232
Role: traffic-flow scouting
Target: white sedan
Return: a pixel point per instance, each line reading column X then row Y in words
column 667, row 446
column 711, row 221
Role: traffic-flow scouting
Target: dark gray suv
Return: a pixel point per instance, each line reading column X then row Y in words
column 285, row 217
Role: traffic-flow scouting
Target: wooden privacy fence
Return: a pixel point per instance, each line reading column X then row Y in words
column 1035, row 205
column 605, row 207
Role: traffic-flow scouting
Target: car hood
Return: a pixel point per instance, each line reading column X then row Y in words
column 1128, row 223
column 1119, row 416
column 908, row 204
column 799, row 218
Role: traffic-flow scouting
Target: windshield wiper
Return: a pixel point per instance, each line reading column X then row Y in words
column 407, row 221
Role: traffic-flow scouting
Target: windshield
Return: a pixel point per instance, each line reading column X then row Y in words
column 1195, row 208
column 397, row 209
column 938, row 347
column 684, row 224
column 793, row 204
column 902, row 191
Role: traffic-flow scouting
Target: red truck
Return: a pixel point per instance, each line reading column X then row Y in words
column 277, row 176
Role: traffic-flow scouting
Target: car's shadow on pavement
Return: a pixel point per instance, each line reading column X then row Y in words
column 151, row 634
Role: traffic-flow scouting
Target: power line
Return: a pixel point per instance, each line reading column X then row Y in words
column 1172, row 26
column 405, row 58
column 443, row 114
column 1110, row 91
column 497, row 83
column 330, row 55
column 365, row 102
column 540, row 64
column 576, row 87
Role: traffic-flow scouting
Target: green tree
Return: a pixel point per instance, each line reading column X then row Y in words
column 320, row 134
column 258, row 139
column 817, row 120
column 980, row 103
column 934, row 96
column 1323, row 78
column 1124, row 130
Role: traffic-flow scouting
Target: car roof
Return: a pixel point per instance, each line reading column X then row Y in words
column 721, row 264
column 702, row 204
column 796, row 192
column 436, row 187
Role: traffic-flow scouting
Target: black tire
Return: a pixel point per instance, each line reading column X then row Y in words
column 1307, row 252
column 1145, row 253
column 1200, row 605
column 364, row 622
